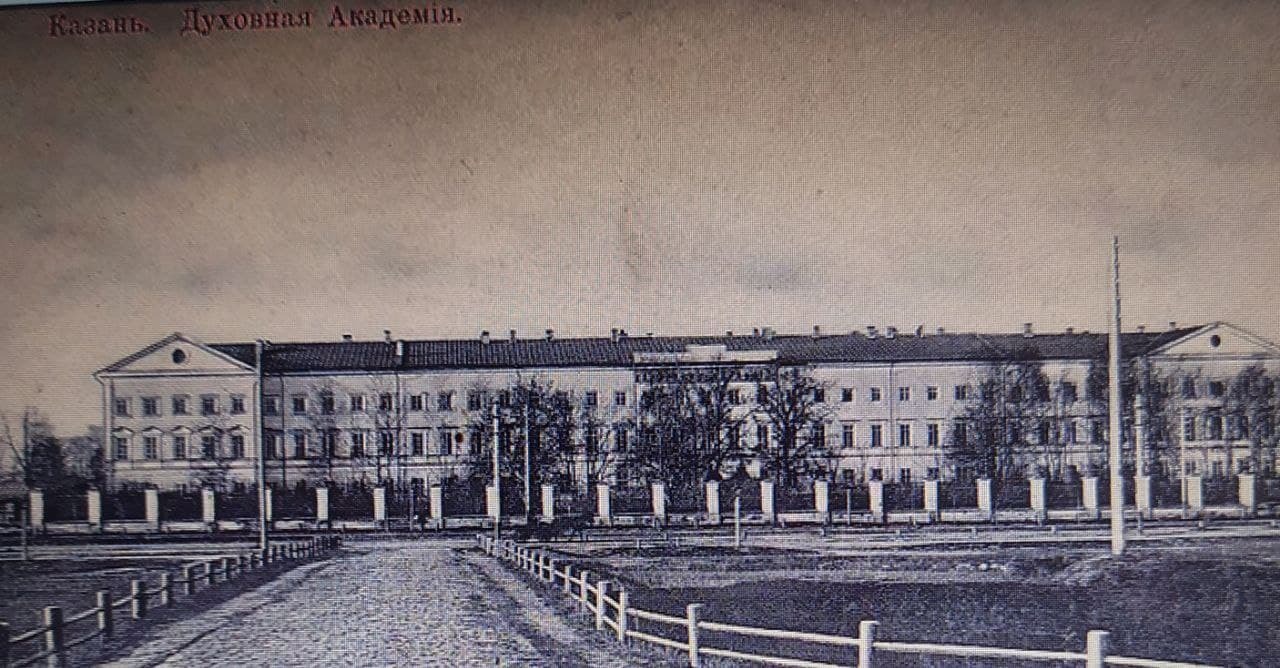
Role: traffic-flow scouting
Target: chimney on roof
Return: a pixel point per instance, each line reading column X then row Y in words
column 1142, row 329
column 767, row 333
column 613, row 335
column 1071, row 330
column 551, row 334
column 942, row 330
column 919, row 330
column 622, row 333
column 817, row 331
column 484, row 336
column 1026, row 330
column 755, row 331
column 890, row 332
column 513, row 336
column 399, row 350
column 871, row 331
column 728, row 332
column 386, row 333
column 346, row 337
column 1173, row 324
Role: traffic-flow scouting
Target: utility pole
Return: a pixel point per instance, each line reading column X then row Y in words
column 25, row 504
column 497, row 478
column 528, row 467
column 1116, row 408
column 261, row 473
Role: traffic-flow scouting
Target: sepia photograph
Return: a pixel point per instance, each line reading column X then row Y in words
column 719, row 334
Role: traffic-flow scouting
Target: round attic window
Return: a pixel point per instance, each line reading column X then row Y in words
column 179, row 356
column 1215, row 340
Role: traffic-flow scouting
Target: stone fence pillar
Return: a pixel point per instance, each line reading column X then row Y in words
column 1142, row 494
column 268, row 504
column 822, row 498
column 1039, row 504
column 208, row 507
column 659, row 491
column 1247, row 492
column 875, row 499
column 491, row 502
column 931, row 500
column 1089, row 496
column 711, row 492
column 985, row 506
column 548, row 503
column 380, row 505
column 767, row 506
column 151, row 503
column 1193, row 493
column 35, row 509
column 93, row 503
column 604, row 507
column 322, row 504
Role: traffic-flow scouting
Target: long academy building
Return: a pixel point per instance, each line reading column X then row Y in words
column 183, row 413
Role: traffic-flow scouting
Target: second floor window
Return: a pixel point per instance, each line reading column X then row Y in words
column 121, row 448
column 416, row 403
column 384, row 402
column 237, row 405
column 122, row 407
column 357, row 403
column 877, row 435
column 327, row 405
column 932, row 434
column 150, row 406
column 271, row 405
column 417, row 441
column 179, row 405
column 904, row 394
column 445, row 401
column 619, row 398
column 961, row 392
column 846, row 436
column 1069, row 392
column 299, row 445
column 209, row 446
column 846, row 394
column 208, row 405
column 299, row 405
column 150, row 447
column 357, row 444
column 179, row 447
column 237, row 446
column 931, row 394
column 904, row 436
column 474, row 399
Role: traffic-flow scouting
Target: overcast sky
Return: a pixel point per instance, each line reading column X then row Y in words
column 671, row 168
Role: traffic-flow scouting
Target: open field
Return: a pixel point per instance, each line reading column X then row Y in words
column 1210, row 600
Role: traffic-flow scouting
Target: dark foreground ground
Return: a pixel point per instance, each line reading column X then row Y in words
column 1215, row 602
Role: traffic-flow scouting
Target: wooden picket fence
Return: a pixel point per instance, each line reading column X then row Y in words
column 54, row 629
column 616, row 614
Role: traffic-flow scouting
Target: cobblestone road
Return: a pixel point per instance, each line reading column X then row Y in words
column 419, row 604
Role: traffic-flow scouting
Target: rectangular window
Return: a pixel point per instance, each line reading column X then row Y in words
column 904, row 436
column 932, row 433
column 762, row 394
column 122, row 448
column 619, row 398
column 960, row 433
column 904, row 394
column 931, row 393
column 208, row 405
column 357, row 444
column 179, row 447
column 846, row 394
column 735, row 436
column 819, row 395
column 237, row 446
column 299, row 445
column 591, row 399
column 762, row 436
column 846, row 436
column 961, row 392
column 1098, row 432
column 820, row 435
column 1069, row 429
column 237, row 404
column 1188, row 388
column 386, row 443
column 150, row 406
column 271, row 445
column 299, row 404
column 621, row 438
column 445, row 401
column 735, row 397
column 327, row 405
column 271, row 405
column 877, row 474
column 1043, row 432
column 877, row 435
column 875, row 394
column 418, row 443
column 384, row 402
column 357, row 403
column 904, row 475
column 209, row 446
column 416, row 403
column 1189, row 428
column 179, row 405
column 1069, row 392
column 150, row 447
column 474, row 400
column 1213, row 427
column 122, row 408
column 1217, row 388
column 447, row 439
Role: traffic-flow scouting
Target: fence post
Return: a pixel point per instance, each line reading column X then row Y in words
column 692, row 612
column 226, row 569
column 931, row 507
column 711, row 490
column 93, row 510
column 622, row 616
column 188, row 579
column 548, row 503
column 1246, row 492
column 151, row 508
column 658, row 492
column 601, row 588
column 1089, row 496
column 322, row 505
column 767, row 505
column 436, row 494
column 582, row 590
column 166, row 589
column 208, row 508
column 867, row 642
column 875, row 499
column 54, row 640
column 568, row 578
column 210, row 568
column 106, row 618
column 822, row 500
column 1095, row 649
column 1142, row 495
column 985, row 506
column 35, row 509
column 138, row 598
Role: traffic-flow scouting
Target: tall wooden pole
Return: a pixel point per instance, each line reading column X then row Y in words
column 497, row 478
column 1116, row 410
column 260, row 438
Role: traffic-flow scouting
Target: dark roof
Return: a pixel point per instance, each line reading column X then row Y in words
column 605, row 352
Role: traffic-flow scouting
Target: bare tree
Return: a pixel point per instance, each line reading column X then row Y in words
column 37, row 461
column 794, row 407
column 1011, row 403
column 1252, row 411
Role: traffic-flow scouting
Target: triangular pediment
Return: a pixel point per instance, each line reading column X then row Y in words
column 177, row 354
column 1219, row 339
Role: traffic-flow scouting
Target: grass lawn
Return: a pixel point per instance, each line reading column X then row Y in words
column 1204, row 601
